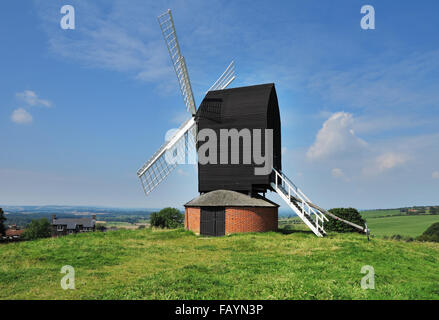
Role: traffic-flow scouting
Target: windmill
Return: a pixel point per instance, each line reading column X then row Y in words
column 158, row 167
column 230, row 199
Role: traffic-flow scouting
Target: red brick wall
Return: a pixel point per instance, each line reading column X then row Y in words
column 238, row 219
column 192, row 219
column 251, row 219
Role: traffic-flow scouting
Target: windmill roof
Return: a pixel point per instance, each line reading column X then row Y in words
column 227, row 198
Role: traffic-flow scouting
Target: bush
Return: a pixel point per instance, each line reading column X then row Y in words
column 101, row 227
column 2, row 225
column 431, row 234
column 169, row 218
column 38, row 229
column 349, row 214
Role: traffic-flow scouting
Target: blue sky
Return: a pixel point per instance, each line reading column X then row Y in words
column 81, row 110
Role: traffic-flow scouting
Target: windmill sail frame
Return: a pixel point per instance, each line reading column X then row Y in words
column 173, row 152
column 181, row 148
column 170, row 36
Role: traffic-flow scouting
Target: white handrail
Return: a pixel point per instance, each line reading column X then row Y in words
column 290, row 193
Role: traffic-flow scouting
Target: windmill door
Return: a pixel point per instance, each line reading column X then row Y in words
column 213, row 221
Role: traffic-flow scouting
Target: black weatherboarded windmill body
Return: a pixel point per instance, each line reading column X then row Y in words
column 246, row 108
column 230, row 183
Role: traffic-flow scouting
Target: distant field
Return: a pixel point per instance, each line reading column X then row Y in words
column 380, row 213
column 404, row 225
column 117, row 224
column 150, row 264
column 380, row 224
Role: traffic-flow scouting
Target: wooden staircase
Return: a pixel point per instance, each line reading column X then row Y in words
column 299, row 203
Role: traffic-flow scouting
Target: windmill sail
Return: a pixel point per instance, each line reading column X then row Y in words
column 181, row 148
column 225, row 79
column 175, row 151
column 168, row 30
column 157, row 168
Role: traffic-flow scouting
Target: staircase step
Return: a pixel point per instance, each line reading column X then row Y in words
column 294, row 198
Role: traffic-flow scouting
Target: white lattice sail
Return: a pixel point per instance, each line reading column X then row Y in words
column 181, row 148
column 170, row 35
column 178, row 150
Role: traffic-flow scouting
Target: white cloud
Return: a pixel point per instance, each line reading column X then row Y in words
column 336, row 135
column 32, row 99
column 21, row 116
column 385, row 162
column 115, row 37
column 337, row 173
column 385, row 83
column 435, row 175
column 390, row 160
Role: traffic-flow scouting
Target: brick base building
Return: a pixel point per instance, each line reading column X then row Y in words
column 222, row 212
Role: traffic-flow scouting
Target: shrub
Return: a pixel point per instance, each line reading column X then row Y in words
column 2, row 220
column 169, row 218
column 431, row 234
column 101, row 227
column 349, row 214
column 38, row 229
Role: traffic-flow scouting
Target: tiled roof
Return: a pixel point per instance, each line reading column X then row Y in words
column 226, row 198
column 12, row 233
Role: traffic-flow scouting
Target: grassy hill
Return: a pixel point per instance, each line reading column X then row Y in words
column 412, row 226
column 146, row 264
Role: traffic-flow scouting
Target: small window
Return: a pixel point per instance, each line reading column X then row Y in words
column 59, row 228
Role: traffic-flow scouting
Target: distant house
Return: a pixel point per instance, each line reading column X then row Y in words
column 65, row 226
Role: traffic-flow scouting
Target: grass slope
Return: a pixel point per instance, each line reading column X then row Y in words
column 146, row 264
column 404, row 225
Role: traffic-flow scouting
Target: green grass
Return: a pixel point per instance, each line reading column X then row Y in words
column 412, row 226
column 146, row 264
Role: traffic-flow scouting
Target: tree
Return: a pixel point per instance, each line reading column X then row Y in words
column 431, row 234
column 349, row 214
column 167, row 218
column 38, row 229
column 2, row 224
